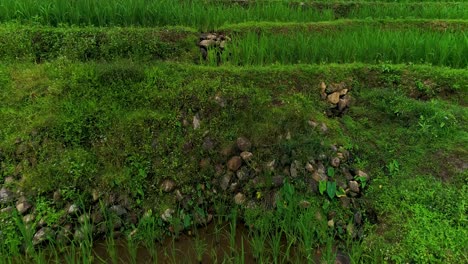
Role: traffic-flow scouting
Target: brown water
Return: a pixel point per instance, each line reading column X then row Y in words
column 183, row 250
column 218, row 249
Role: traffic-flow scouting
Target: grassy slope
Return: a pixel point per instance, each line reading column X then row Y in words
column 406, row 127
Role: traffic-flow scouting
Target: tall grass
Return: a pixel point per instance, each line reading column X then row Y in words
column 208, row 15
column 364, row 45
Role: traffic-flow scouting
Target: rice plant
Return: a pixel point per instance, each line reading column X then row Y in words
column 368, row 44
column 209, row 15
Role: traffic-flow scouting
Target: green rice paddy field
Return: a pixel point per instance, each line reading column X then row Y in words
column 233, row 131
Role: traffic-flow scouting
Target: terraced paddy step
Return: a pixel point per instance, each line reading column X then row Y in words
column 122, row 135
column 440, row 42
column 211, row 15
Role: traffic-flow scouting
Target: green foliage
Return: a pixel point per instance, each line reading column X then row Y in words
column 209, row 15
column 40, row 44
column 331, row 189
column 367, row 43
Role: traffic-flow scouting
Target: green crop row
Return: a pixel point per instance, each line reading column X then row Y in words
column 367, row 44
column 211, row 15
column 437, row 43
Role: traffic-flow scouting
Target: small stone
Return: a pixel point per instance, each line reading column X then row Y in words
column 340, row 156
column 344, row 91
column 23, row 207
column 179, row 195
column 73, row 209
column 220, row 101
column 277, row 181
column 96, row 195
column 222, row 44
column 168, row 185
column 57, row 196
column 234, row 187
column 42, row 222
column 360, row 173
column 79, row 235
column 224, row 182
column 167, row 215
column 133, row 233
column 354, row 186
column 347, row 174
column 205, row 163
column 240, row 198
column 6, row 196
column 207, row 43
column 228, row 151
column 9, row 180
column 318, row 216
column 42, row 235
column 243, row 144
column 335, row 162
column 358, row 218
column 293, row 170
column 8, row 209
column 208, row 144
column 319, row 176
column 343, row 103
column 118, row 210
column 117, row 224
column 312, row 123
column 331, row 223
column 246, row 156
column 84, row 218
column 323, row 86
column 270, row 166
column 334, row 98
column 202, row 219
column 196, row 122
column 304, row 204
column 323, row 128
column 350, row 230
column 27, row 219
column 234, row 163
column 345, row 202
column 309, row 167
column 242, row 173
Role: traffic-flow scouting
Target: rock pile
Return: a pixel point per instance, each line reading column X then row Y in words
column 249, row 183
column 212, row 41
column 337, row 95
